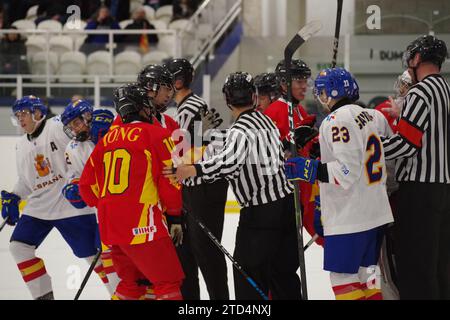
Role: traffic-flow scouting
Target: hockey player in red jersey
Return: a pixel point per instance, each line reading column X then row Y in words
column 269, row 90
column 123, row 180
column 278, row 111
column 160, row 98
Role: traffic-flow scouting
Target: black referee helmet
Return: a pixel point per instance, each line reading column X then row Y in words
column 430, row 49
column 239, row 89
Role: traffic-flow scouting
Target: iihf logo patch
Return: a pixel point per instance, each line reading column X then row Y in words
column 144, row 230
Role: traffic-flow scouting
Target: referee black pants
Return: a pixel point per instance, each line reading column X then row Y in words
column 422, row 240
column 207, row 203
column 266, row 248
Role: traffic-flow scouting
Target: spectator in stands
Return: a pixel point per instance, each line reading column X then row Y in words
column 120, row 9
column 140, row 41
column 184, row 9
column 13, row 54
column 52, row 10
column 103, row 21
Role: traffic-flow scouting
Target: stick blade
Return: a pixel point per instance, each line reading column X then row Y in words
column 310, row 29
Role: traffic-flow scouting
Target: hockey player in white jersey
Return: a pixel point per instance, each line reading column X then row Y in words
column 41, row 177
column 352, row 178
column 86, row 127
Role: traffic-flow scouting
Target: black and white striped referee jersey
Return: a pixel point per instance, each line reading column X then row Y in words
column 188, row 112
column 421, row 146
column 251, row 160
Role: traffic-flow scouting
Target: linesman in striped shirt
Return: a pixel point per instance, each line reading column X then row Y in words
column 252, row 161
column 422, row 153
column 203, row 198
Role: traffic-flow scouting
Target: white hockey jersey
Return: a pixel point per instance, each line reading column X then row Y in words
column 42, row 169
column 77, row 153
column 355, row 199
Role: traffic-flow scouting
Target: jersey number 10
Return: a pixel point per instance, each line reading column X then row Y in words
column 117, row 169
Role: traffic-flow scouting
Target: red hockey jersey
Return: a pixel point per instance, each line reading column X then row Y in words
column 123, row 179
column 167, row 122
column 278, row 111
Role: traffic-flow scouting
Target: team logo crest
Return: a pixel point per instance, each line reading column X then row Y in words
column 42, row 165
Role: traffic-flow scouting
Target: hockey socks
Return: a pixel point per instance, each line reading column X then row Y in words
column 32, row 269
column 109, row 270
column 101, row 272
column 347, row 286
column 370, row 282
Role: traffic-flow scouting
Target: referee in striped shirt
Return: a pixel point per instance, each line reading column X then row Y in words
column 203, row 198
column 252, row 160
column 421, row 148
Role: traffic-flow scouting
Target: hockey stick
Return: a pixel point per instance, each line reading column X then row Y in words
column 310, row 242
column 3, row 224
column 337, row 31
column 235, row 264
column 88, row 274
column 303, row 35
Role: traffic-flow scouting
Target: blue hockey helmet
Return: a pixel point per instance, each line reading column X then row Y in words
column 337, row 83
column 79, row 109
column 31, row 103
column 75, row 110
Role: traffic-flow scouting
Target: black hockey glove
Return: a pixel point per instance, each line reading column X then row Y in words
column 210, row 119
column 303, row 134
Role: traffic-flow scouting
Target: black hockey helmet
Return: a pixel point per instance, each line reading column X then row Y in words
column 298, row 70
column 239, row 89
column 430, row 49
column 152, row 77
column 268, row 84
column 181, row 69
column 130, row 99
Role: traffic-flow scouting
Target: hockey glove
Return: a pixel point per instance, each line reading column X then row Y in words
column 10, row 207
column 301, row 169
column 314, row 150
column 72, row 194
column 101, row 121
column 175, row 229
column 304, row 134
column 318, row 227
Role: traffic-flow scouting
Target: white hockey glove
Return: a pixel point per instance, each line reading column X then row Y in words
column 176, row 233
column 175, row 229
